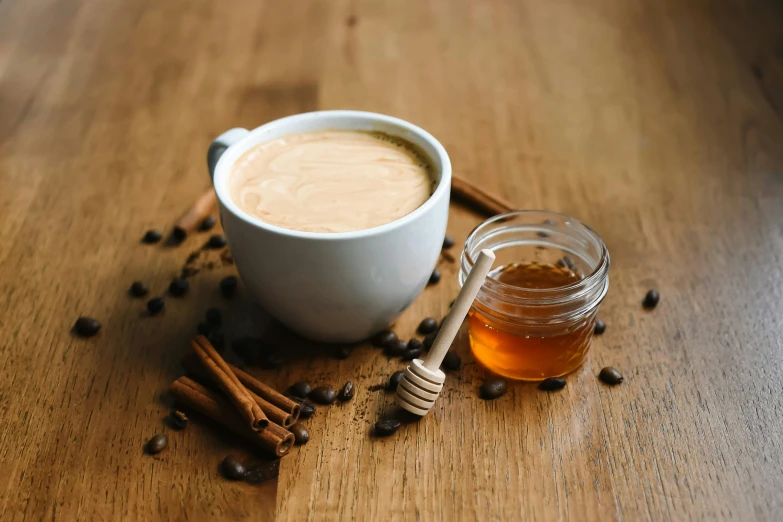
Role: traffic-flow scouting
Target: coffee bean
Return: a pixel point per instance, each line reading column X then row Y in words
column 343, row 352
column 179, row 420
column 412, row 353
column 86, row 326
column 435, row 277
column 306, row 409
column 396, row 348
column 651, row 299
column 157, row 444
column 217, row 339
column 610, row 376
column 207, row 223
column 430, row 339
column 451, row 361
column 179, row 287
column 155, row 305
column 448, row 242
column 271, row 360
column 138, row 289
column 383, row 338
column 214, row 316
column 322, row 395
column 300, row 389
column 301, row 435
column 415, row 343
column 152, row 236
column 600, row 327
column 387, row 427
column 346, row 394
column 232, row 469
column 493, row 388
column 552, row 384
column 228, row 286
column 394, row 380
column 216, row 241
column 428, row 325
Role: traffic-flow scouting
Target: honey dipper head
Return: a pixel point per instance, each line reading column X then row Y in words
column 419, row 388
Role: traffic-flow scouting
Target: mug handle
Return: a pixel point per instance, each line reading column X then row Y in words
column 220, row 145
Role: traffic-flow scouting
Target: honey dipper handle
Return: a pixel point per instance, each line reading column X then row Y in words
column 459, row 310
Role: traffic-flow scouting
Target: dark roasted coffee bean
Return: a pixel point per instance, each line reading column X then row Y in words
column 179, row 287
column 347, row 392
column 232, row 469
column 204, row 328
column 152, row 236
column 228, row 286
column 383, row 338
column 155, row 305
column 396, row 348
column 412, row 353
column 216, row 241
column 394, row 380
column 306, row 409
column 179, row 420
column 387, row 427
column 428, row 325
column 415, row 343
column 448, row 242
column 435, row 277
column 322, row 395
column 301, row 435
column 343, row 352
column 600, row 327
column 610, row 376
column 552, row 384
column 217, row 339
column 214, row 316
column 86, row 326
column 651, row 299
column 430, row 339
column 157, row 444
column 138, row 289
column 271, row 360
column 207, row 223
column 493, row 388
column 451, row 361
column 300, row 389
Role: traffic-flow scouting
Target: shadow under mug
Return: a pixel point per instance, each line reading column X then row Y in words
column 334, row 287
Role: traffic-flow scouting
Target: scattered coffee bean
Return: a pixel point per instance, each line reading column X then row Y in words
column 430, row 339
column 394, row 380
column 228, row 286
column 387, row 427
column 451, row 361
column 232, row 469
column 179, row 420
column 216, row 241
column 207, row 223
column 217, row 339
column 214, row 316
column 610, row 376
column 435, row 277
column 347, row 392
column 448, row 242
column 493, row 388
column 300, row 389
column 306, row 409
column 396, row 348
column 138, row 289
column 415, row 343
column 651, row 299
column 271, row 360
column 322, row 395
column 86, row 326
column 301, row 435
column 179, row 287
column 157, row 444
column 152, row 236
column 428, row 325
column 600, row 327
column 412, row 353
column 155, row 305
column 383, row 338
column 552, row 384
column 343, row 352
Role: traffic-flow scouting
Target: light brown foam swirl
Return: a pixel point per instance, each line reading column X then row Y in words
column 331, row 181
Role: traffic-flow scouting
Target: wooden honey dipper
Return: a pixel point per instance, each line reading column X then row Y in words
column 423, row 379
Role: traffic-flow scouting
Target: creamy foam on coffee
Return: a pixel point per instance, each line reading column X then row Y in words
column 331, row 180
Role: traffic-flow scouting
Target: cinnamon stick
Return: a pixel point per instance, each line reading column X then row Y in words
column 193, row 366
column 491, row 204
column 273, row 438
column 203, row 207
column 220, row 373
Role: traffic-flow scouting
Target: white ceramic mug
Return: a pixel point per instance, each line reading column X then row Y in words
column 334, row 287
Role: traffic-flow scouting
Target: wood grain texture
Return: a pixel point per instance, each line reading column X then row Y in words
column 658, row 123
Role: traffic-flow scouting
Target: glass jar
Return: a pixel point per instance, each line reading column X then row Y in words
column 535, row 314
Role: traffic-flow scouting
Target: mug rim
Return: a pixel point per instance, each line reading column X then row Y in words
column 223, row 168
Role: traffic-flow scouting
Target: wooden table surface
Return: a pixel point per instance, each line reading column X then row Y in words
column 658, row 123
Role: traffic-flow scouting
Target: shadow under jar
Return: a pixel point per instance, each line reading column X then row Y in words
column 534, row 316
